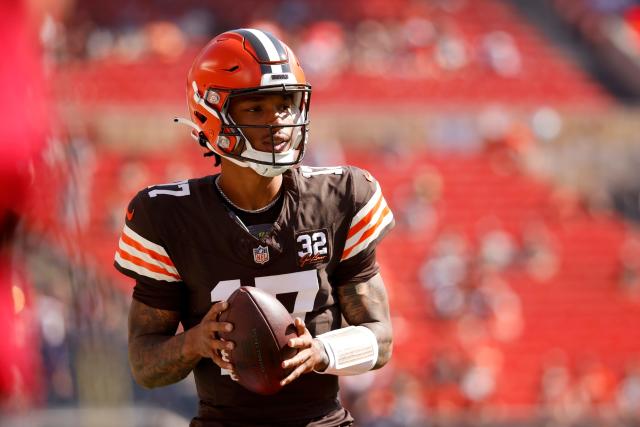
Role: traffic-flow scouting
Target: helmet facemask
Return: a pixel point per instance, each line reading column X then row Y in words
column 237, row 147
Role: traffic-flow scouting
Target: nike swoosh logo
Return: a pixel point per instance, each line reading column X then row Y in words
column 130, row 214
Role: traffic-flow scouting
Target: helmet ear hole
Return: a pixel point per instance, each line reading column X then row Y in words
column 201, row 117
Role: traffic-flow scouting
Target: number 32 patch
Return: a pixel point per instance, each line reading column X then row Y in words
column 312, row 247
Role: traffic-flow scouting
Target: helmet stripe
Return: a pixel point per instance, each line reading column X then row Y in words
column 264, row 46
column 266, row 69
column 259, row 48
column 269, row 45
column 281, row 51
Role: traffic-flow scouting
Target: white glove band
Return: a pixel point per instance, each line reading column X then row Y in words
column 352, row 350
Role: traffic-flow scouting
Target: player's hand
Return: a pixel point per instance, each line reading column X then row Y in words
column 201, row 339
column 311, row 354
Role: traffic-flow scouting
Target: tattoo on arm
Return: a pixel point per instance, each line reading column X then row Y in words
column 367, row 304
column 155, row 353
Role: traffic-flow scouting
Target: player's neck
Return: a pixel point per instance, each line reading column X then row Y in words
column 246, row 189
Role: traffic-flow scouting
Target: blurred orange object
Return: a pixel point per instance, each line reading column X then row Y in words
column 23, row 121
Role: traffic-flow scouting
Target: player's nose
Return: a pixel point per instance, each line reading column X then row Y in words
column 277, row 119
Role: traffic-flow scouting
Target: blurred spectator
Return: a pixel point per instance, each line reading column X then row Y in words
column 628, row 394
column 539, row 251
column 506, row 139
column 497, row 248
column 506, row 322
column 479, row 381
column 55, row 350
column 418, row 210
column 546, row 124
column 198, row 23
column 494, row 122
column 409, row 408
column 379, row 409
column 443, row 273
column 323, row 52
column 492, row 311
column 374, row 48
column 451, row 52
column 629, row 266
column 565, row 205
column 443, row 378
column 454, row 133
column 165, row 39
column 100, row 43
column 558, row 395
column 501, row 54
column 595, row 385
column 80, row 166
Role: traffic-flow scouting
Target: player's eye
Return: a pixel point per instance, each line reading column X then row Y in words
column 253, row 108
column 285, row 106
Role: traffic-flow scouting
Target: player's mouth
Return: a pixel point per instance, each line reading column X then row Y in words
column 279, row 143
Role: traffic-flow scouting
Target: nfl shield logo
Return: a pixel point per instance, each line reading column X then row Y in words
column 261, row 254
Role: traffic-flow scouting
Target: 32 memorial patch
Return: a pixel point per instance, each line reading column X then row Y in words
column 312, row 247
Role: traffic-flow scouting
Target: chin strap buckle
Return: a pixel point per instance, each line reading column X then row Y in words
column 197, row 134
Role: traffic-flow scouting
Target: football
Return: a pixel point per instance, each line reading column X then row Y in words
column 262, row 329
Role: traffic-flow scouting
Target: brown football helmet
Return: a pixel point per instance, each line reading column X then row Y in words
column 244, row 62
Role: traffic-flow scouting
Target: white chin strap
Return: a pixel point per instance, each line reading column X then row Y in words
column 264, row 170
column 268, row 171
column 288, row 156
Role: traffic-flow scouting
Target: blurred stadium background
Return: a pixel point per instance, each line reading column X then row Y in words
column 505, row 135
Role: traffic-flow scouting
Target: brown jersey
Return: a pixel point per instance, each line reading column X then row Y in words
column 187, row 249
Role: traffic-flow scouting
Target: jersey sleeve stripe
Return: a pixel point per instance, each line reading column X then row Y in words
column 370, row 235
column 126, row 246
column 367, row 207
column 157, row 257
column 352, row 243
column 149, row 247
column 366, row 223
column 355, row 228
column 135, row 264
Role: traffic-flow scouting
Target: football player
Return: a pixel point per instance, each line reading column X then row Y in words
column 307, row 235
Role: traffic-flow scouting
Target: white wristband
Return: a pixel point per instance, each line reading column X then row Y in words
column 352, row 350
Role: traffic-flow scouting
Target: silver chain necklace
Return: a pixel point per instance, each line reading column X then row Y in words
column 263, row 209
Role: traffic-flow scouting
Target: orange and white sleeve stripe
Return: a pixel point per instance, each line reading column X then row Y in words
column 144, row 257
column 367, row 224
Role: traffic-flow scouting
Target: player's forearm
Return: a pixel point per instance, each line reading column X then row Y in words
column 366, row 304
column 384, row 336
column 158, row 360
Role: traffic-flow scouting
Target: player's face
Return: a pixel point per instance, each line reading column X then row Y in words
column 265, row 109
